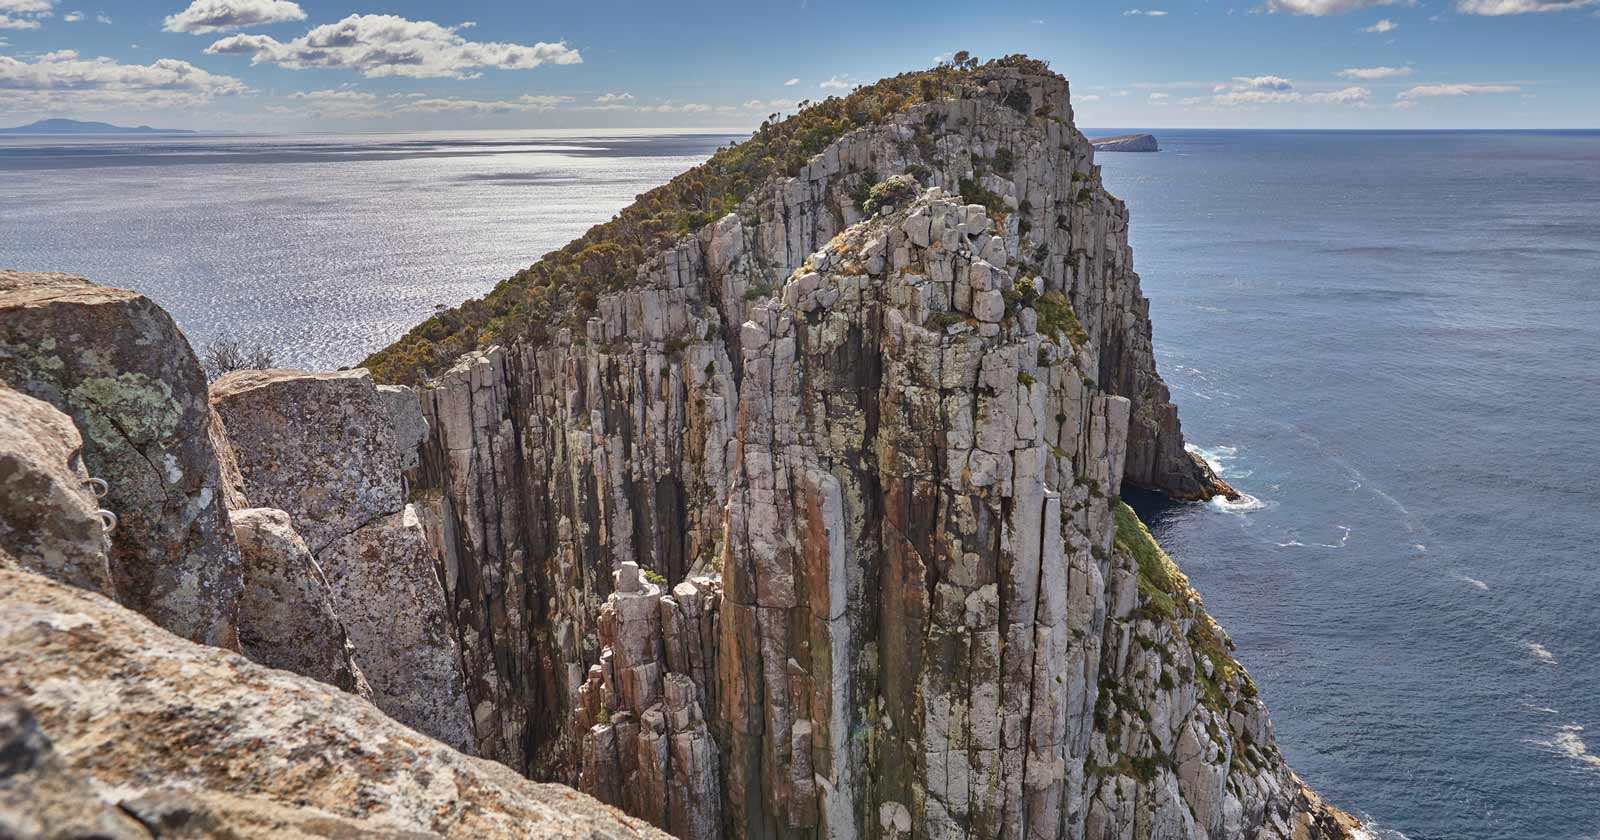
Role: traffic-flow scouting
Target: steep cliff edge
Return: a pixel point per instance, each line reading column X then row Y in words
column 792, row 510
column 831, row 483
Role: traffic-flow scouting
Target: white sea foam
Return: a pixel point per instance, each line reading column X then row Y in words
column 1344, row 539
column 1474, row 581
column 1218, row 458
column 1246, row 503
column 1568, row 742
column 1540, row 652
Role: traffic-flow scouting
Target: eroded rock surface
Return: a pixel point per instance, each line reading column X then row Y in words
column 892, row 447
column 199, row 742
column 48, row 514
column 325, row 448
column 286, row 615
column 118, row 366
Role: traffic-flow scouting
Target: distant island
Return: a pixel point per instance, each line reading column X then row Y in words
column 1127, row 143
column 60, row 126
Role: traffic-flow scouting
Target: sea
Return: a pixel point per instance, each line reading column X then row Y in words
column 1388, row 341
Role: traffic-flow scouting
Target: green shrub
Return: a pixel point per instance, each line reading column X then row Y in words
column 563, row 288
column 889, row 192
column 1057, row 318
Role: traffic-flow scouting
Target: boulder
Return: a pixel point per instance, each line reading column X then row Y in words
column 201, row 742
column 387, row 592
column 286, row 614
column 327, row 448
column 115, row 363
column 48, row 516
column 317, row 445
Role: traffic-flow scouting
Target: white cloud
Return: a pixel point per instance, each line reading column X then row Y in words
column 1093, row 97
column 770, row 105
column 1320, row 8
column 1157, row 97
column 207, row 16
column 72, row 17
column 387, row 45
column 1382, row 26
column 24, row 14
column 1275, row 90
column 346, row 103
column 791, row 83
column 613, row 97
column 835, row 83
column 102, row 18
column 1426, row 91
column 1518, row 7
column 1145, row 12
column 1264, row 83
column 63, row 80
column 1367, row 74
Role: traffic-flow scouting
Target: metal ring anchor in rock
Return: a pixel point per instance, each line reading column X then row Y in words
column 98, row 487
column 108, row 519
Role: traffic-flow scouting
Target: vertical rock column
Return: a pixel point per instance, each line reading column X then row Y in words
column 646, row 746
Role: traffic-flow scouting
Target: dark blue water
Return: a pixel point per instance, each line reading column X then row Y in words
column 1391, row 341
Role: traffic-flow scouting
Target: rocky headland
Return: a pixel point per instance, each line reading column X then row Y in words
column 1127, row 143
column 802, row 521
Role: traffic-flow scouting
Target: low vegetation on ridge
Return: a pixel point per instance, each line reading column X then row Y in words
column 563, row 288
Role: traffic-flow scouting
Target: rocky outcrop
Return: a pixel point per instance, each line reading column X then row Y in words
column 555, row 464
column 287, row 617
column 1127, row 143
column 647, row 745
column 48, row 512
column 330, row 449
column 116, row 364
column 812, row 531
column 192, row 741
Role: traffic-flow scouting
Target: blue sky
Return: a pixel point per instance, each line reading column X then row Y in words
column 296, row 65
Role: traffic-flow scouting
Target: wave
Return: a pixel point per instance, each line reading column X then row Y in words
column 1344, row 539
column 1246, row 503
column 1540, row 652
column 1568, row 743
column 1474, row 581
column 1218, row 458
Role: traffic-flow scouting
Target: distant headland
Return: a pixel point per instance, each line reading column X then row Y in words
column 1127, row 143
column 62, row 126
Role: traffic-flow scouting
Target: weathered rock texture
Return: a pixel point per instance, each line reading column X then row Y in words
column 327, row 448
column 193, row 741
column 286, row 615
column 47, row 512
column 116, row 364
column 875, row 464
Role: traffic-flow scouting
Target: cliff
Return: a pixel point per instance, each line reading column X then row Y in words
column 796, row 515
column 1127, row 143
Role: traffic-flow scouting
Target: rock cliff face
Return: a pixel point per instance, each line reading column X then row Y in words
column 813, row 531
column 868, row 468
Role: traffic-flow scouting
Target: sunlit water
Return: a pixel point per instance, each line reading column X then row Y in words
column 324, row 248
column 1390, row 342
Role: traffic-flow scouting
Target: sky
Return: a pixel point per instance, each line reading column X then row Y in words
column 404, row 65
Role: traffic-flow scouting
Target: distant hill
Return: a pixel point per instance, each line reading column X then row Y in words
column 59, row 126
column 1127, row 143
